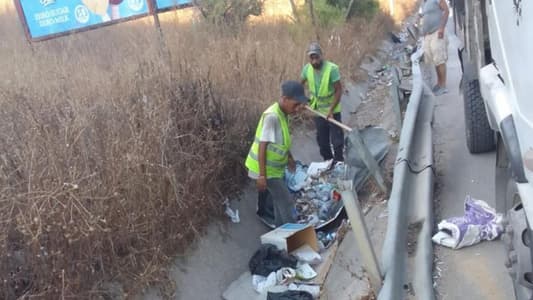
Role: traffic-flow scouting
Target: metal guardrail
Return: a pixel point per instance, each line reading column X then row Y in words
column 407, row 256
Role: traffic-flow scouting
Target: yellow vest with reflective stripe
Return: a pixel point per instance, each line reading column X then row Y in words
column 322, row 99
column 277, row 155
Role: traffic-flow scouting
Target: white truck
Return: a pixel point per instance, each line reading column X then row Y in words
column 497, row 58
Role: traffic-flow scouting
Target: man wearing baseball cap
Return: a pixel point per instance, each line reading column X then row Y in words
column 324, row 82
column 270, row 155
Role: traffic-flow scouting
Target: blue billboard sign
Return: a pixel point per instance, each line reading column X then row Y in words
column 168, row 4
column 48, row 18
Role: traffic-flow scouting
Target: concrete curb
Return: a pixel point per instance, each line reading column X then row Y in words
column 407, row 257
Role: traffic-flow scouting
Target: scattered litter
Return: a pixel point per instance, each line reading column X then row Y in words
column 316, row 199
column 318, row 203
column 316, row 168
column 290, row 295
column 274, row 271
column 326, row 239
column 269, row 259
column 314, row 290
column 285, row 275
column 262, row 284
column 305, row 272
column 480, row 222
column 306, row 254
column 233, row 214
column 289, row 237
column 296, row 180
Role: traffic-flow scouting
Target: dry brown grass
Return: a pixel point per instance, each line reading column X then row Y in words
column 115, row 155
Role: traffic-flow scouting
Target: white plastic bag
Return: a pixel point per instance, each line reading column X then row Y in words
column 480, row 222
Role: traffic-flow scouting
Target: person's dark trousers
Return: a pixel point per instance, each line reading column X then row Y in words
column 328, row 135
column 276, row 204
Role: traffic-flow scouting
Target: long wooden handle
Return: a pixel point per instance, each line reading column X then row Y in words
column 333, row 121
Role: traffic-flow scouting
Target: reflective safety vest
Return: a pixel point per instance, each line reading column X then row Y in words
column 322, row 99
column 277, row 155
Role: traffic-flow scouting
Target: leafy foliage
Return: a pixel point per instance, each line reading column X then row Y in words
column 229, row 12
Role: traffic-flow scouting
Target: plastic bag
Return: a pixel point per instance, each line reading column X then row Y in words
column 306, row 254
column 297, row 180
column 480, row 222
column 290, row 295
column 269, row 259
column 262, row 284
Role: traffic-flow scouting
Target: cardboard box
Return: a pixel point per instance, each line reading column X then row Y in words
column 291, row 237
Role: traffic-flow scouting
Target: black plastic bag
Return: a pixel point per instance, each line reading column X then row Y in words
column 290, row 295
column 269, row 259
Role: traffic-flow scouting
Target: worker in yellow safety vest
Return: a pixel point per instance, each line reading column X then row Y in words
column 270, row 155
column 324, row 83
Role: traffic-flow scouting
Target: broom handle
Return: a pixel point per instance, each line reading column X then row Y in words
column 341, row 125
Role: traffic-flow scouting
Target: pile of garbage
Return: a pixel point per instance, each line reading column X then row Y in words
column 317, row 201
column 314, row 186
column 285, row 276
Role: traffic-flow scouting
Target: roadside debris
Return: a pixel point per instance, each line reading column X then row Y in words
column 232, row 214
column 290, row 295
column 317, row 201
column 325, row 239
column 307, row 255
column 289, row 264
column 268, row 259
column 480, row 222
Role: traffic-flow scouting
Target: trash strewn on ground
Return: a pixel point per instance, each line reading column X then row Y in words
column 276, row 272
column 307, row 255
column 326, row 239
column 480, row 222
column 290, row 295
column 233, row 214
column 290, row 264
column 268, row 259
column 317, row 200
column 313, row 185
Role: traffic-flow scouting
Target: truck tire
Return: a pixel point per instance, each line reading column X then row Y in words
column 479, row 136
column 517, row 240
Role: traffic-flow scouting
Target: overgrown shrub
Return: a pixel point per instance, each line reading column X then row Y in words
column 91, row 186
column 327, row 14
column 229, row 12
column 114, row 158
column 365, row 8
column 331, row 13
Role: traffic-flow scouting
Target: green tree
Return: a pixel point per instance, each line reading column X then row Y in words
column 229, row 12
column 360, row 8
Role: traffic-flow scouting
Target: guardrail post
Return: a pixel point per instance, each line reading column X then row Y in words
column 395, row 97
column 364, row 245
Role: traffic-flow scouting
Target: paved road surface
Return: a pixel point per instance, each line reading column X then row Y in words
column 476, row 272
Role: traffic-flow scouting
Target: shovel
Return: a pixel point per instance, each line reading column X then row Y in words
column 360, row 149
